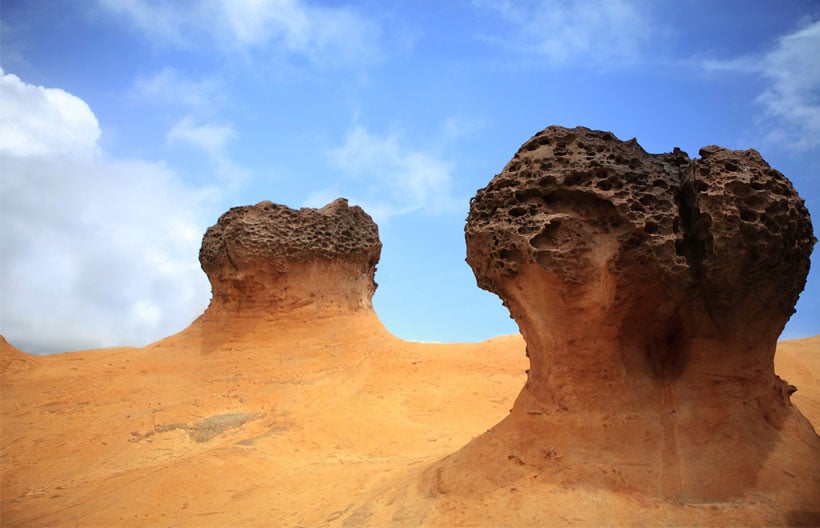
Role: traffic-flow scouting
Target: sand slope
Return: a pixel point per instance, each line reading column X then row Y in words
column 286, row 426
column 284, row 421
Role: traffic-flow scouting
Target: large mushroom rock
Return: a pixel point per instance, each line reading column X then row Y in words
column 650, row 290
column 277, row 259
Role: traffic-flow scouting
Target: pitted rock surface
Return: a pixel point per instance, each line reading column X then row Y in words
column 271, row 254
column 723, row 225
column 651, row 290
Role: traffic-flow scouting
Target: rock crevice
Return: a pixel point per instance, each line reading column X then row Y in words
column 695, row 242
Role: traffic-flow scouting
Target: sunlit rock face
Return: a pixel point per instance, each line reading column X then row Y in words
column 279, row 259
column 650, row 289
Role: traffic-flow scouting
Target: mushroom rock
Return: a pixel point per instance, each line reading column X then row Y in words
column 276, row 271
column 650, row 290
column 271, row 257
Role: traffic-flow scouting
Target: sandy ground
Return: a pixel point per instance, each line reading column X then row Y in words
column 798, row 362
column 298, row 421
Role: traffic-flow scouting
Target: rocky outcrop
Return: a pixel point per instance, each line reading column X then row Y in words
column 723, row 229
column 272, row 257
column 650, row 290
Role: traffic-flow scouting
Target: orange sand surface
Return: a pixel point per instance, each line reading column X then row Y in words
column 298, row 420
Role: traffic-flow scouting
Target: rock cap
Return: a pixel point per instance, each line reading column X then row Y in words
column 271, row 255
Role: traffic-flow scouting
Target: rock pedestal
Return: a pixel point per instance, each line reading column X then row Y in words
column 650, row 290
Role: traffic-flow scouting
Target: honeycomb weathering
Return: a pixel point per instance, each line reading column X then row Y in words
column 657, row 248
column 272, row 255
column 720, row 227
column 650, row 289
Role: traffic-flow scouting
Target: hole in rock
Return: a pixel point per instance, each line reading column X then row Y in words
column 647, row 199
column 748, row 216
column 546, row 238
column 604, row 185
column 526, row 195
column 738, row 188
column 511, row 255
column 574, row 180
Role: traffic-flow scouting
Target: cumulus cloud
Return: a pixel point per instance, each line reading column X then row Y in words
column 320, row 33
column 396, row 178
column 42, row 121
column 94, row 251
column 592, row 31
column 791, row 98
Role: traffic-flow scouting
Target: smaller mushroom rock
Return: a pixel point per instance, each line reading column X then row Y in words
column 271, row 257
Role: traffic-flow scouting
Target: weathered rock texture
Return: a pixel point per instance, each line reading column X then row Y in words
column 650, row 290
column 279, row 259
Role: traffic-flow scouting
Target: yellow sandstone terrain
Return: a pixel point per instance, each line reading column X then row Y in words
column 290, row 426
column 296, row 426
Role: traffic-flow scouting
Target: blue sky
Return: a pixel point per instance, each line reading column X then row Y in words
column 128, row 127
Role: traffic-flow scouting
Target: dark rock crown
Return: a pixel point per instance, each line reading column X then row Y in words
column 275, row 235
column 726, row 225
column 273, row 256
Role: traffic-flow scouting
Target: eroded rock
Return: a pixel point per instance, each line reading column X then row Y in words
column 650, row 290
column 271, row 256
column 575, row 201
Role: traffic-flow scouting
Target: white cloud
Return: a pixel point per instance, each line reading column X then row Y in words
column 158, row 19
column 791, row 99
column 322, row 34
column 35, row 121
column 395, row 179
column 212, row 138
column 596, row 31
column 93, row 251
column 456, row 127
column 199, row 99
column 172, row 87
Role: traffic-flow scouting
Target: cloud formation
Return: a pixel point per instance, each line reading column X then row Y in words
column 322, row 34
column 169, row 86
column 94, row 251
column 43, row 121
column 210, row 137
column 793, row 95
column 395, row 178
column 791, row 98
column 582, row 31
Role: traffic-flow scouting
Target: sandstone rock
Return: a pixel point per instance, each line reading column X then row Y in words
column 270, row 256
column 650, row 290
